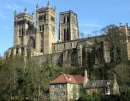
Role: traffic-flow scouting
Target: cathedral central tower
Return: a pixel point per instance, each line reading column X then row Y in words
column 68, row 26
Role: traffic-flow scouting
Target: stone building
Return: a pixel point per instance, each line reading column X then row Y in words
column 70, row 87
column 68, row 50
column 66, row 87
column 107, row 87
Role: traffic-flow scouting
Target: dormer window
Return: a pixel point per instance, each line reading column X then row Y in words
column 69, row 78
column 40, row 18
column 108, row 82
column 94, row 83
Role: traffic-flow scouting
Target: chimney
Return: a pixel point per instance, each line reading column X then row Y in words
column 115, row 87
column 85, row 78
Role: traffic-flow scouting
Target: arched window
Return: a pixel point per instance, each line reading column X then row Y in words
column 41, row 50
column 22, row 32
column 40, row 17
column 31, row 43
column 68, row 34
column 64, row 34
column 64, row 46
column 68, row 19
column 64, row 20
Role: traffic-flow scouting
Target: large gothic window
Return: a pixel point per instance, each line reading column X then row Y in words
column 31, row 43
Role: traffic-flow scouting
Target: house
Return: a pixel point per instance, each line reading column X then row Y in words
column 107, row 87
column 69, row 87
column 66, row 87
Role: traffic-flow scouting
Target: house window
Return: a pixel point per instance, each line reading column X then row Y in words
column 55, row 86
column 71, row 93
column 76, row 86
column 107, row 90
column 62, row 86
column 71, row 85
column 56, row 93
column 62, row 93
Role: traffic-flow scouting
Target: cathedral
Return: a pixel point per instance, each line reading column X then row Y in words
column 68, row 50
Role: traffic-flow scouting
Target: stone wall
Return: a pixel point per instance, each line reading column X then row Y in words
column 55, row 59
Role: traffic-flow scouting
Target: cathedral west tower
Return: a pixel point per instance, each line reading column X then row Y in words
column 45, row 28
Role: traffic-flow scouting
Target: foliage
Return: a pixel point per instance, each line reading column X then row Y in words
column 74, row 92
column 85, row 97
column 106, row 28
column 3, row 96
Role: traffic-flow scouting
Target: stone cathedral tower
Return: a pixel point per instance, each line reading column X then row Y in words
column 45, row 28
column 22, row 23
column 68, row 26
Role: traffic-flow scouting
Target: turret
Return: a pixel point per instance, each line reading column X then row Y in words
column 115, row 87
column 37, row 6
column 15, row 12
column 25, row 10
column 48, row 4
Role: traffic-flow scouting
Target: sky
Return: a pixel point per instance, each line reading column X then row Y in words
column 93, row 15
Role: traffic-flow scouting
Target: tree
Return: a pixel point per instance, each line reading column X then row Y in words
column 105, row 30
column 122, row 71
column 82, row 35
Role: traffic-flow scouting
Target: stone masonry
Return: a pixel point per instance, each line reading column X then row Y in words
column 68, row 50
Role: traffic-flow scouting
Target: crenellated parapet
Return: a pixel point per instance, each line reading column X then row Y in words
column 22, row 18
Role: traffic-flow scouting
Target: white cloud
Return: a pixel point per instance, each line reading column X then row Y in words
column 7, row 27
column 13, row 6
column 90, row 25
column 3, row 15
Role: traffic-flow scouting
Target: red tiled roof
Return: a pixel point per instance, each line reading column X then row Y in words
column 79, row 78
column 66, row 78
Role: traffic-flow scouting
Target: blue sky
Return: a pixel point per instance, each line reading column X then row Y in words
column 92, row 15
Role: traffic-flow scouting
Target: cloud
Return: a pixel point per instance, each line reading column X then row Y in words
column 13, row 6
column 90, row 25
column 7, row 27
column 3, row 15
